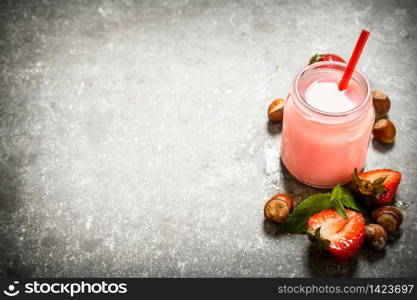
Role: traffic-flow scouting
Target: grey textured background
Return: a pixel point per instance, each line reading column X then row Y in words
column 134, row 139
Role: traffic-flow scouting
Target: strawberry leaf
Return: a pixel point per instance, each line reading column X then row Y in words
column 318, row 240
column 315, row 58
column 317, row 233
column 379, row 180
column 355, row 176
column 297, row 220
column 336, row 201
column 321, row 242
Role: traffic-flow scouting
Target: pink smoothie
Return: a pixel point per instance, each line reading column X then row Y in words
column 323, row 94
column 326, row 133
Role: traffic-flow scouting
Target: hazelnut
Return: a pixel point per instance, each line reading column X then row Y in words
column 276, row 110
column 376, row 236
column 278, row 208
column 381, row 102
column 388, row 217
column 384, row 131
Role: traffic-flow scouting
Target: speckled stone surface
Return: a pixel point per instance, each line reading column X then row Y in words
column 134, row 139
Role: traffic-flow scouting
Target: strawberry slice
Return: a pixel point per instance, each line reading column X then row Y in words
column 325, row 57
column 341, row 237
column 378, row 186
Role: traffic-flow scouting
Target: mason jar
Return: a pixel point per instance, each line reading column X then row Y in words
column 321, row 146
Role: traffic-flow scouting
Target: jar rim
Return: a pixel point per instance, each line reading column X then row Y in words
column 356, row 72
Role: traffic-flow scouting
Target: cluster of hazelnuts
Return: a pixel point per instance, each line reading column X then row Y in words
column 383, row 131
column 387, row 219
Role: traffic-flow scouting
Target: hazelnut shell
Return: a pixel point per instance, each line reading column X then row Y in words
column 376, row 236
column 278, row 208
column 287, row 199
column 384, row 131
column 381, row 102
column 276, row 110
column 386, row 214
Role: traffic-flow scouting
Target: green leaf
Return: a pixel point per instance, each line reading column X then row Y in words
column 317, row 233
column 297, row 220
column 311, row 236
column 325, row 244
column 350, row 202
column 315, row 58
column 336, row 192
column 321, row 242
column 355, row 176
column 318, row 240
column 336, row 201
column 379, row 180
column 340, row 209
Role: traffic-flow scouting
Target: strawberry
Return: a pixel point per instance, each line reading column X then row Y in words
column 325, row 57
column 377, row 187
column 341, row 237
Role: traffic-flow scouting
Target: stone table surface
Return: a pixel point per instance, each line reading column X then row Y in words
column 134, row 139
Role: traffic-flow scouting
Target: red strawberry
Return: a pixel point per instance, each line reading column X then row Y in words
column 325, row 57
column 378, row 186
column 341, row 237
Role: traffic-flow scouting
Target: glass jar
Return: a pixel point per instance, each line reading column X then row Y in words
column 322, row 148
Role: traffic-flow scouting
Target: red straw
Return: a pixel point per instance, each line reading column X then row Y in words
column 360, row 44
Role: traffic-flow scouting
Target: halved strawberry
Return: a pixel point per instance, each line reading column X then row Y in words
column 341, row 237
column 378, row 186
column 325, row 57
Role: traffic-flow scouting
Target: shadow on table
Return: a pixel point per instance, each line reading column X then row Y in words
column 322, row 265
column 271, row 228
column 395, row 236
column 274, row 128
column 295, row 188
column 11, row 202
column 371, row 255
column 381, row 147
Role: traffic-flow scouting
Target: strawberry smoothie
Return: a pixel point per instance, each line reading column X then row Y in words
column 326, row 132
